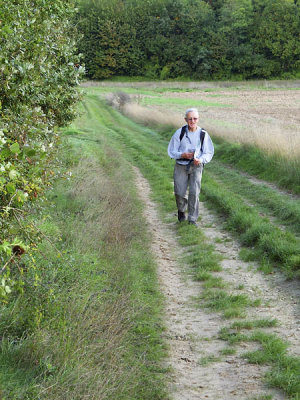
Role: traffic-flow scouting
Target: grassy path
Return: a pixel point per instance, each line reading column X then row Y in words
column 262, row 310
column 89, row 323
column 273, row 246
column 89, row 326
column 267, row 200
column 201, row 364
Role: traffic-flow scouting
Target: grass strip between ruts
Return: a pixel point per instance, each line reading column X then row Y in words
column 271, row 167
column 279, row 247
column 283, row 207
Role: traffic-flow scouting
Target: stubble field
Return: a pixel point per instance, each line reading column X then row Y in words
column 263, row 114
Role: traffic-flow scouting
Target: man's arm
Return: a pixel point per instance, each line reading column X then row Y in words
column 174, row 145
column 207, row 153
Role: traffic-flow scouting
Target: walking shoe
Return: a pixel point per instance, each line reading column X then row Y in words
column 193, row 223
column 181, row 216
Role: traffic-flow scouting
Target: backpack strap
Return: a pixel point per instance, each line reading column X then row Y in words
column 183, row 131
column 202, row 135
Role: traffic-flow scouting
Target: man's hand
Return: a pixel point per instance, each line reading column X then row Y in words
column 197, row 161
column 188, row 156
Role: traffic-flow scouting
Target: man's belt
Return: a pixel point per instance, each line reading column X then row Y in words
column 184, row 159
column 188, row 165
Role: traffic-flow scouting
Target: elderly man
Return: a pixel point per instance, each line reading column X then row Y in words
column 192, row 148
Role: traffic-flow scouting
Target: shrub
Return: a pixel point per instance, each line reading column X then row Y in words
column 39, row 75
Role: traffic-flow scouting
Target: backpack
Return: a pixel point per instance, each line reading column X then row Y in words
column 202, row 135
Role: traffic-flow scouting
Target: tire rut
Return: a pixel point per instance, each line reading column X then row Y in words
column 261, row 182
column 264, row 213
column 279, row 296
column 192, row 333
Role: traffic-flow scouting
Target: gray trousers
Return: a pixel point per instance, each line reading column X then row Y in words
column 187, row 185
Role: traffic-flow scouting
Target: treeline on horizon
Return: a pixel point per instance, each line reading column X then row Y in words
column 196, row 39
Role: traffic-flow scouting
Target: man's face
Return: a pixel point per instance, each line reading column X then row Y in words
column 192, row 120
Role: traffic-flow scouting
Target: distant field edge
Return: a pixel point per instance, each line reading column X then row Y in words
column 142, row 82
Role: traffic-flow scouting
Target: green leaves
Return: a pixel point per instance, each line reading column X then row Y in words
column 15, row 148
column 5, row 247
column 6, row 289
column 38, row 91
column 11, row 188
column 8, row 281
column 13, row 174
column 192, row 38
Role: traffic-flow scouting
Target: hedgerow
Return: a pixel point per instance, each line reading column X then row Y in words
column 39, row 73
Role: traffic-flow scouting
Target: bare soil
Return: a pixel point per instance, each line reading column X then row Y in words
column 264, row 113
column 197, row 368
column 267, row 118
column 251, row 107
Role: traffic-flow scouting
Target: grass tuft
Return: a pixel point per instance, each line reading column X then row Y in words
column 228, row 351
column 231, row 305
column 259, row 323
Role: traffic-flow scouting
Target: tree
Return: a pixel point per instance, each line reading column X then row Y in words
column 109, row 41
column 235, row 27
column 277, row 36
column 199, row 39
column 216, row 6
column 177, row 39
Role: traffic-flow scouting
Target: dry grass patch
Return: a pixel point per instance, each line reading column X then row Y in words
column 152, row 116
column 269, row 119
column 110, row 216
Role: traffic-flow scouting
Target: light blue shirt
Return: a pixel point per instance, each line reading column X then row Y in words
column 191, row 143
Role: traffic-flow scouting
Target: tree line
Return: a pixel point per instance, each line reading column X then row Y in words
column 197, row 39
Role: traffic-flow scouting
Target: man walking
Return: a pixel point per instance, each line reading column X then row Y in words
column 192, row 148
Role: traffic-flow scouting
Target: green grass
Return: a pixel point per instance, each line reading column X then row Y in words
column 207, row 360
column 228, row 351
column 92, row 326
column 271, row 167
column 232, row 337
column 247, row 254
column 152, row 94
column 285, row 369
column 260, row 323
column 265, row 199
column 214, row 282
column 231, row 305
column 273, row 348
column 280, row 247
column 181, row 102
column 146, row 148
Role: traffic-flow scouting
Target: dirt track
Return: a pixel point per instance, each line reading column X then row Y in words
column 192, row 333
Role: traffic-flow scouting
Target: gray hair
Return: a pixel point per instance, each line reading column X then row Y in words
column 191, row 110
